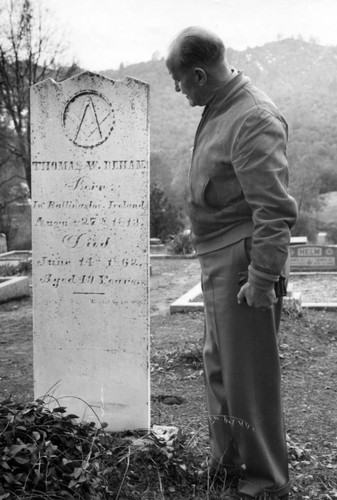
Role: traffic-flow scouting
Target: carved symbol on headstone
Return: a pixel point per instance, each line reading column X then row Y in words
column 329, row 251
column 88, row 119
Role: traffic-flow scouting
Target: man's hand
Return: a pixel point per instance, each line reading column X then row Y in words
column 261, row 299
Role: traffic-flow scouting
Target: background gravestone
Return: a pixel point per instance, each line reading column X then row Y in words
column 313, row 258
column 90, row 171
column 3, row 243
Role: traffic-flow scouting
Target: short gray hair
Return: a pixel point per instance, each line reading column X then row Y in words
column 195, row 46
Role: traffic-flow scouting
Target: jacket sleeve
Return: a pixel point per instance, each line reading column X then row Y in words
column 260, row 163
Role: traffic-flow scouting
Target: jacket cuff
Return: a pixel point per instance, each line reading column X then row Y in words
column 263, row 281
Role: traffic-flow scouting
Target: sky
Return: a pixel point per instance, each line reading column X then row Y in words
column 104, row 33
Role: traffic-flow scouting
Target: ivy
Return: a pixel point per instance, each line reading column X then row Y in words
column 46, row 453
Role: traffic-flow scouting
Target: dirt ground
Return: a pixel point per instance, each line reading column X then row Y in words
column 308, row 352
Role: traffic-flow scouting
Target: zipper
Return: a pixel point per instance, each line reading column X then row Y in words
column 203, row 116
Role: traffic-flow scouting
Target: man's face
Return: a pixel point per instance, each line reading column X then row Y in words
column 186, row 82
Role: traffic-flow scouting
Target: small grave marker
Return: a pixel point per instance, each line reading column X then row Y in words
column 3, row 243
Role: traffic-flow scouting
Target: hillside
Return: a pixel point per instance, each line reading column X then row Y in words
column 300, row 77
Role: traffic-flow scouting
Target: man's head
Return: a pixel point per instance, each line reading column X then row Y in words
column 196, row 62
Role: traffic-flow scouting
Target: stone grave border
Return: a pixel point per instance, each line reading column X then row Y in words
column 317, row 305
column 167, row 256
column 14, row 257
column 186, row 303
column 13, row 287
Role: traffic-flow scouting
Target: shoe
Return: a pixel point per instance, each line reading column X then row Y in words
column 217, row 471
column 263, row 496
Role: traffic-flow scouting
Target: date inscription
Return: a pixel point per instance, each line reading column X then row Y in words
column 94, row 226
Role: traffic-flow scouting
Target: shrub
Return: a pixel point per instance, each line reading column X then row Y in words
column 8, row 270
column 181, row 243
column 45, row 454
column 24, row 267
column 306, row 225
column 165, row 218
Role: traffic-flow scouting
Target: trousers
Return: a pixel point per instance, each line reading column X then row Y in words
column 242, row 377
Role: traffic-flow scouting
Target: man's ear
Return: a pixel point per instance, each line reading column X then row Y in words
column 201, row 76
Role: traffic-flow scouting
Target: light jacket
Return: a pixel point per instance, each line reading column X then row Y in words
column 239, row 176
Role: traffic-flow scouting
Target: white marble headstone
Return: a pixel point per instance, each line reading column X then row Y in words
column 90, row 171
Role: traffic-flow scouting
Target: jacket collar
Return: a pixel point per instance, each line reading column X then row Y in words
column 234, row 83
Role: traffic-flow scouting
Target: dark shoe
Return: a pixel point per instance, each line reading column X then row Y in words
column 242, row 496
column 216, row 471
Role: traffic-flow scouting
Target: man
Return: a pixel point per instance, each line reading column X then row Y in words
column 241, row 215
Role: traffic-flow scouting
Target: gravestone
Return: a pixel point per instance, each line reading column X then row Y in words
column 3, row 243
column 313, row 258
column 19, row 233
column 298, row 240
column 322, row 238
column 90, row 174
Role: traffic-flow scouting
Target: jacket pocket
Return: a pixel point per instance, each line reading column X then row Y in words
column 219, row 196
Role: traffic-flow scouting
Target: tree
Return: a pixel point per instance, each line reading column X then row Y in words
column 328, row 179
column 30, row 51
column 165, row 218
column 331, row 230
column 306, row 225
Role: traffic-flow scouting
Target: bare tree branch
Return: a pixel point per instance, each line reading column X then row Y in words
column 30, row 51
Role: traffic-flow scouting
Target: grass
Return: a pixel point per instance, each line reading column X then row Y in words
column 154, row 464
